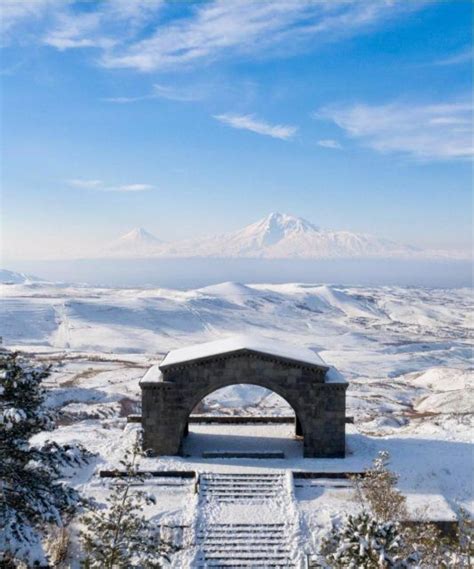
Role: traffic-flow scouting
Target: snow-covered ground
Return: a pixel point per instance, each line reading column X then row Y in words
column 406, row 352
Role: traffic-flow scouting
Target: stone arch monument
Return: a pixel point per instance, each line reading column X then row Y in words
column 315, row 391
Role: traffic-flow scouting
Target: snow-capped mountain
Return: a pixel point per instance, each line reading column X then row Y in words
column 282, row 236
column 272, row 230
column 11, row 277
column 135, row 243
column 268, row 237
column 277, row 236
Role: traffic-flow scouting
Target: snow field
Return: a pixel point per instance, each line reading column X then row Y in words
column 406, row 352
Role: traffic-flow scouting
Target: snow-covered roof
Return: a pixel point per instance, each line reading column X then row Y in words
column 334, row 376
column 243, row 342
column 153, row 375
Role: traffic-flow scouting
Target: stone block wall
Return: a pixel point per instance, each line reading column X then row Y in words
column 319, row 406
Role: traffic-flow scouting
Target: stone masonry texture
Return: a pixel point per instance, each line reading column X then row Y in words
column 319, row 407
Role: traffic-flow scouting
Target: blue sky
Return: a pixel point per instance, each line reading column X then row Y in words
column 189, row 118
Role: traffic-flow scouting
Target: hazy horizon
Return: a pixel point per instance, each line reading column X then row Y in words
column 196, row 273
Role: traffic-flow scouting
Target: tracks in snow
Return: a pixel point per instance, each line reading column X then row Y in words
column 246, row 520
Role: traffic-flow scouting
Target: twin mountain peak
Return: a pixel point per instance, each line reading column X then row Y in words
column 277, row 235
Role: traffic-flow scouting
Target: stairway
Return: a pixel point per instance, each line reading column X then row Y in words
column 245, row 545
column 225, row 541
column 230, row 487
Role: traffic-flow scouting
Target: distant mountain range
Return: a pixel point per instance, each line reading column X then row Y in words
column 12, row 277
column 277, row 236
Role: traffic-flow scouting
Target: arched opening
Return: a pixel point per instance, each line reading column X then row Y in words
column 243, row 420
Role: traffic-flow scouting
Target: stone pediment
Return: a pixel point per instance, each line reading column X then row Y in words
column 244, row 344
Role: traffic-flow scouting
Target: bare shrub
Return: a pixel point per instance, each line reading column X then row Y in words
column 377, row 488
column 422, row 541
column 57, row 546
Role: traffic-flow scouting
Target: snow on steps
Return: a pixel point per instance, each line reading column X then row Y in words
column 231, row 542
column 244, row 545
column 241, row 487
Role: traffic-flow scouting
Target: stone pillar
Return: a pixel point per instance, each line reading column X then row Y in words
column 163, row 418
column 325, row 426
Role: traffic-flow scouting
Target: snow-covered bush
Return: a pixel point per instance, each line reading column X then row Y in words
column 32, row 495
column 362, row 542
column 119, row 536
column 419, row 545
column 465, row 540
column 432, row 549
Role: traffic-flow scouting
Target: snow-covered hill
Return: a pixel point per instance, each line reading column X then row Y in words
column 277, row 236
column 400, row 327
column 406, row 352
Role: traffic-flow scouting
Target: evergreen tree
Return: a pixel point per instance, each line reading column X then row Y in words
column 362, row 542
column 32, row 494
column 119, row 536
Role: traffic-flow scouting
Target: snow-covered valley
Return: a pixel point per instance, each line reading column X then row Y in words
column 405, row 351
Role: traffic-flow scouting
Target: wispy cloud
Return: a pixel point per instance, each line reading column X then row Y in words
column 249, row 122
column 441, row 131
column 461, row 57
column 132, row 188
column 127, row 100
column 222, row 28
column 99, row 185
column 182, row 95
column 74, row 31
column 14, row 12
column 86, row 184
column 132, row 34
column 330, row 143
column 109, row 23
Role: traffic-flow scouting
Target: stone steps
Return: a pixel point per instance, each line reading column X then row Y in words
column 257, row 557
column 254, row 563
column 264, row 544
column 234, row 525
column 262, row 559
column 248, row 488
column 241, row 489
column 242, row 484
column 230, row 548
column 236, row 475
column 230, row 488
column 255, row 533
column 243, row 498
column 251, row 545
